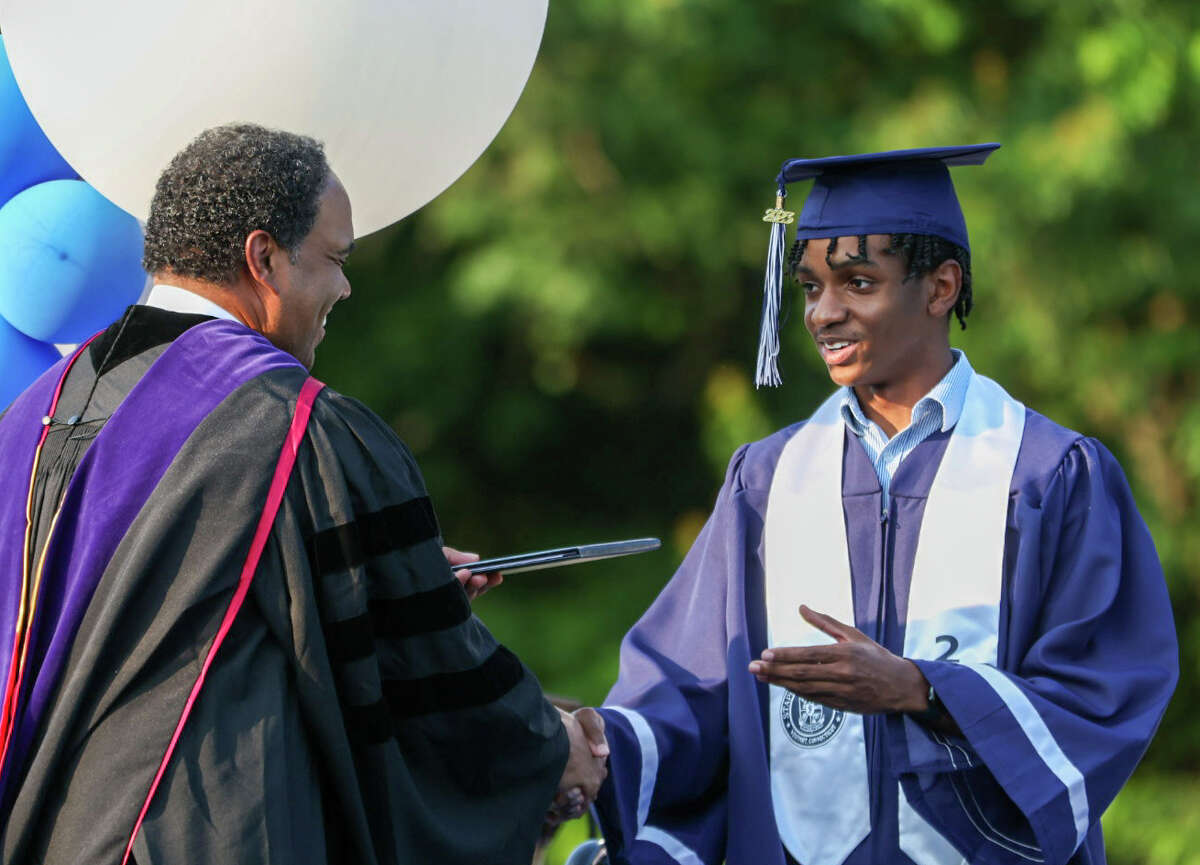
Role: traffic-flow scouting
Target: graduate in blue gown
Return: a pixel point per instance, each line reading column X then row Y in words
column 963, row 662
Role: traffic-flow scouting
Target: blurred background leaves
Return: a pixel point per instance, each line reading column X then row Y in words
column 566, row 337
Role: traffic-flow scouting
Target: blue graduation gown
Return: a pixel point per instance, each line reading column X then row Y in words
column 1086, row 635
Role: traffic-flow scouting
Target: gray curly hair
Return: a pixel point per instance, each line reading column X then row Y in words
column 230, row 181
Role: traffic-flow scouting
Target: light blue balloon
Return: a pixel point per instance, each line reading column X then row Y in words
column 21, row 361
column 26, row 154
column 70, row 261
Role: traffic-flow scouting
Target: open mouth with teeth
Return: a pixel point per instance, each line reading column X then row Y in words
column 836, row 351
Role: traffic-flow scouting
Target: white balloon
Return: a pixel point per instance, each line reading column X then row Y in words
column 406, row 94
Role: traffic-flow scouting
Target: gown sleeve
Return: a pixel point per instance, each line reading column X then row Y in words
column 667, row 715
column 372, row 717
column 1089, row 662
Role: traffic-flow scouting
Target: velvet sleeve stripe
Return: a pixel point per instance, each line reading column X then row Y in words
column 392, row 528
column 448, row 692
column 375, row 723
column 393, row 618
column 421, row 613
column 368, row 725
column 349, row 639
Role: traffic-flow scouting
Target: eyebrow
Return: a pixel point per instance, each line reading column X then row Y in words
column 840, row 265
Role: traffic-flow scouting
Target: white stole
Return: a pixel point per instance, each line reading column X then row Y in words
column 818, row 756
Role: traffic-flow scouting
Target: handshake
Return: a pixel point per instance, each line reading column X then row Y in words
column 587, row 760
column 587, row 766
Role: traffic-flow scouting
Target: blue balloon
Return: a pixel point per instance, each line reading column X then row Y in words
column 70, row 261
column 21, row 361
column 26, row 154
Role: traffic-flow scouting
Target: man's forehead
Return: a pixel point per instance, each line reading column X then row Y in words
column 334, row 215
column 846, row 247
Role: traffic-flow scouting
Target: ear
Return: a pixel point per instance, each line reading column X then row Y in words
column 263, row 256
column 944, row 285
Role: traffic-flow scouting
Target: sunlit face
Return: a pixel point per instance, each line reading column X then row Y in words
column 871, row 327
column 311, row 280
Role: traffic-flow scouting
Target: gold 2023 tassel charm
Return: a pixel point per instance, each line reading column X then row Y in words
column 778, row 214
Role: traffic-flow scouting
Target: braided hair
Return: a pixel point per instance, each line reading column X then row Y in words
column 923, row 253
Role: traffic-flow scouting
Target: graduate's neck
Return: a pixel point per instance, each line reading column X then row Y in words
column 889, row 404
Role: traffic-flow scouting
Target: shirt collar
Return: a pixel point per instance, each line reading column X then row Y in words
column 946, row 397
column 175, row 299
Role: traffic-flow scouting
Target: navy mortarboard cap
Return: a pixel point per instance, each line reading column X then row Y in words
column 896, row 192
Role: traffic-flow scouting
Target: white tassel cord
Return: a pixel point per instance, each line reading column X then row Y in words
column 767, row 372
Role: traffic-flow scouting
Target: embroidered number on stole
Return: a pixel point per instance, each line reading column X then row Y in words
column 819, row 781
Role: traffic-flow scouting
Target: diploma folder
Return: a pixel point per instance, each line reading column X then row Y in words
column 561, row 556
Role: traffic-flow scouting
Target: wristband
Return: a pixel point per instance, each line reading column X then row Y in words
column 934, row 712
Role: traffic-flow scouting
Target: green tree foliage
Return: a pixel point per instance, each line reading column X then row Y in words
column 566, row 338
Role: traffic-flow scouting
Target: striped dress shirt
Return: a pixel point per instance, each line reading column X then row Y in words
column 939, row 409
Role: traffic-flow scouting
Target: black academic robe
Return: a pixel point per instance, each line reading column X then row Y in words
column 356, row 712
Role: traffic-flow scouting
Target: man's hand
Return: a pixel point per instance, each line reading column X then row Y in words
column 587, row 765
column 855, row 674
column 475, row 584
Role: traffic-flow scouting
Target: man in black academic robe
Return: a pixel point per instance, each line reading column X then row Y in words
column 356, row 711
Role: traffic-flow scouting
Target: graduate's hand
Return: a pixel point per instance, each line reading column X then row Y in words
column 475, row 584
column 855, row 674
column 587, row 762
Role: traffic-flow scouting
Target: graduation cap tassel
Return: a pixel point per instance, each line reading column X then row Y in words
column 767, row 373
